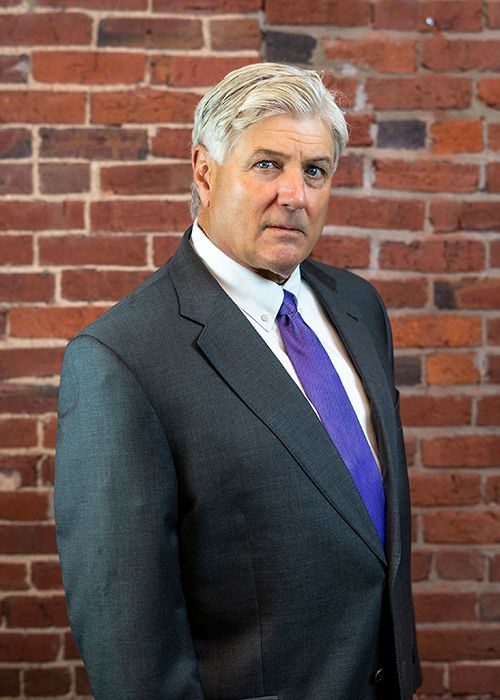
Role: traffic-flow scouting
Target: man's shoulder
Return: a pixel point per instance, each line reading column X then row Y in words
column 343, row 281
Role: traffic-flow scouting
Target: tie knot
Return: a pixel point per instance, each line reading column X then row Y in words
column 289, row 306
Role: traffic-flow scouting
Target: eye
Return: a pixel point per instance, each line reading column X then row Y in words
column 314, row 171
column 265, row 165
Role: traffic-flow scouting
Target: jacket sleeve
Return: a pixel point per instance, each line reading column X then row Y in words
column 116, row 513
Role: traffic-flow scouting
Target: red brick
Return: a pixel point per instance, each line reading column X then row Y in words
column 31, row 611
column 18, row 432
column 441, row 606
column 235, row 34
column 493, row 177
column 495, row 254
column 493, row 372
column 149, row 33
column 470, row 451
column 93, row 285
column 49, row 431
column 495, row 568
column 48, row 470
column 359, row 126
column 26, row 398
column 492, row 494
column 10, row 682
column 399, row 293
column 164, row 247
column 52, row 321
column 15, row 646
column 23, row 505
column 467, row 527
column 38, row 107
column 457, row 136
column 494, row 331
column 431, row 255
column 28, row 362
column 208, row 6
column 45, row 29
column 189, row 71
column 420, row 565
column 139, row 216
column 344, row 251
column 62, row 178
column 468, row 293
column 16, row 250
column 94, row 144
column 445, row 489
column 426, row 175
column 20, row 470
column 448, row 368
column 341, row 13
column 172, row 143
column 96, row 4
column 436, row 331
column 452, row 15
column 142, row 105
column 455, row 644
column 395, row 14
column 91, row 250
column 440, row 54
column 15, row 179
column 14, row 69
column 350, row 171
column 82, row 682
column 18, row 286
column 494, row 136
column 15, row 143
column 475, row 677
column 488, row 410
column 88, row 67
column 421, row 92
column 27, row 539
column 375, row 212
column 435, row 410
column 433, row 679
column 147, row 179
column 12, row 577
column 453, row 215
column 344, row 90
column 47, row 681
column 460, row 565
column 383, row 54
column 493, row 14
column 40, row 216
column 46, row 575
column 489, row 91
column 70, row 648
column 490, row 607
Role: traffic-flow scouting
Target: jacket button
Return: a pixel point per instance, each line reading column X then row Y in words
column 379, row 676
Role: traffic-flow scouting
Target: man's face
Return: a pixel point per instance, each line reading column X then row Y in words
column 266, row 205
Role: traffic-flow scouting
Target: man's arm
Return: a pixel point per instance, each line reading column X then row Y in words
column 116, row 513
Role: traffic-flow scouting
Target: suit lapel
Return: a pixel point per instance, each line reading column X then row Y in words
column 244, row 361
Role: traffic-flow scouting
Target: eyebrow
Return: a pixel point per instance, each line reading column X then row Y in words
column 269, row 153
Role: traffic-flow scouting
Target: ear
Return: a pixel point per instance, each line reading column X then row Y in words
column 203, row 173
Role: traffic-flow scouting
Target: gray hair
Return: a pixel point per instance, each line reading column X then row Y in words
column 257, row 91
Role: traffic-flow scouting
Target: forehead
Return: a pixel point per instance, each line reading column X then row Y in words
column 308, row 134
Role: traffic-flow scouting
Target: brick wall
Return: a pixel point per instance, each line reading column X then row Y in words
column 96, row 98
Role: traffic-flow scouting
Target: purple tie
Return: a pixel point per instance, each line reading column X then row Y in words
column 326, row 392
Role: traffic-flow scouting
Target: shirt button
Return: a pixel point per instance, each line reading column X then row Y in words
column 264, row 317
column 379, row 676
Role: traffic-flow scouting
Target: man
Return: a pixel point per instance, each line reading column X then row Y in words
column 231, row 493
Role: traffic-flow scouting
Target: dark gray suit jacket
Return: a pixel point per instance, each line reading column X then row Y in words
column 213, row 544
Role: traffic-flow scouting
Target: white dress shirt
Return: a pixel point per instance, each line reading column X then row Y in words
column 260, row 299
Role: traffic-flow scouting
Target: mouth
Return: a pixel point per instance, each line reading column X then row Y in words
column 288, row 229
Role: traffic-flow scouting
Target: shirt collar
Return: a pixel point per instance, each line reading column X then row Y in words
column 256, row 296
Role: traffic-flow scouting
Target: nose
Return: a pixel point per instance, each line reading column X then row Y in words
column 291, row 189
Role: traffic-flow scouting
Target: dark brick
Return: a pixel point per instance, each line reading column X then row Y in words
column 14, row 69
column 401, row 134
column 444, row 295
column 15, row 143
column 150, row 33
column 94, row 144
column 408, row 370
column 289, row 48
